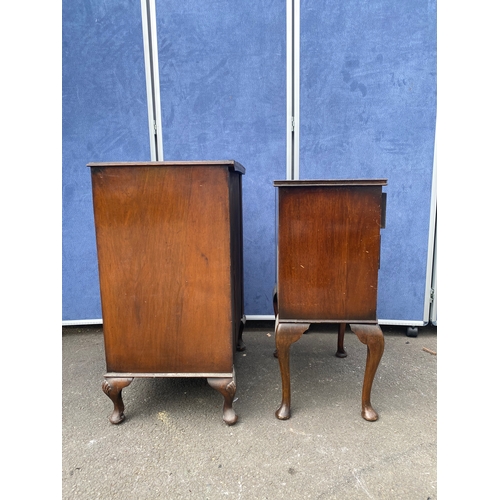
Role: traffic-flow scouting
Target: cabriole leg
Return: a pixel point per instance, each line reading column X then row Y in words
column 372, row 336
column 340, row 342
column 286, row 334
column 227, row 387
column 112, row 387
column 240, row 345
column 275, row 308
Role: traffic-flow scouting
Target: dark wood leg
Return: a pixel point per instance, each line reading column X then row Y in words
column 275, row 301
column 112, row 387
column 286, row 334
column 372, row 336
column 340, row 342
column 275, row 307
column 240, row 345
column 227, row 387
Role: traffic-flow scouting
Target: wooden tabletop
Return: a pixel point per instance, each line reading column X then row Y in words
column 234, row 165
column 332, row 182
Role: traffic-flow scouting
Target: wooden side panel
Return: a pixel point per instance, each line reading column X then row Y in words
column 164, row 264
column 329, row 248
column 235, row 198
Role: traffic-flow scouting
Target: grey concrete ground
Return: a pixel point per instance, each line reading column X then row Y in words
column 174, row 444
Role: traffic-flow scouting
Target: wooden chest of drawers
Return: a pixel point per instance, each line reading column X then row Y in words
column 328, row 261
column 169, row 247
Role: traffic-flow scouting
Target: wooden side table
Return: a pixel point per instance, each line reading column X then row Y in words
column 327, row 269
column 169, row 248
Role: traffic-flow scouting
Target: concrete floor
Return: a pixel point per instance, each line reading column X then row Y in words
column 173, row 443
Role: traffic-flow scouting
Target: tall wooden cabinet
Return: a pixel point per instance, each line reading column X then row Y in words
column 169, row 247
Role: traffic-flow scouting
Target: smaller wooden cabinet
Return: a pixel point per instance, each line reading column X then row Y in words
column 169, row 248
column 328, row 261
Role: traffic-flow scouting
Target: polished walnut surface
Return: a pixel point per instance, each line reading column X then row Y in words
column 169, row 245
column 329, row 247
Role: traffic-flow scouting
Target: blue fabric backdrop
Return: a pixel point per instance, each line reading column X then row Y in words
column 104, row 118
column 368, row 110
column 368, row 103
